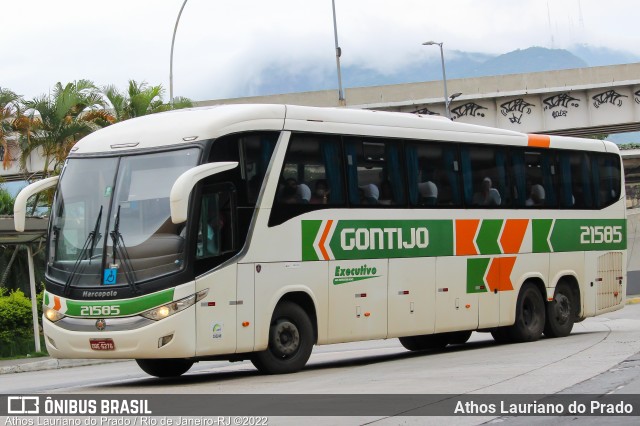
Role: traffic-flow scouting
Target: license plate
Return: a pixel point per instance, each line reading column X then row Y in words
column 102, row 344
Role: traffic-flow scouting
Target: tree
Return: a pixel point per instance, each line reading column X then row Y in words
column 56, row 122
column 6, row 202
column 140, row 99
column 10, row 116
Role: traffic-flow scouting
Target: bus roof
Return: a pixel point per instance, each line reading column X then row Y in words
column 198, row 124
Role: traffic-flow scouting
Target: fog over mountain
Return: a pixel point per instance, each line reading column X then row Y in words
column 278, row 79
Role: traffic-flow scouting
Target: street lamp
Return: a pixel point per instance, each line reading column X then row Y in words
column 451, row 98
column 341, row 99
column 444, row 76
column 173, row 40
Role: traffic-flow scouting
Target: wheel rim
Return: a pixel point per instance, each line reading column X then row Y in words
column 562, row 308
column 286, row 339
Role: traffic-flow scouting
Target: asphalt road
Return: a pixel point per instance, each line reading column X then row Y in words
column 600, row 356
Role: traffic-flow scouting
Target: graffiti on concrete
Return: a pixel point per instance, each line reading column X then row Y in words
column 609, row 97
column 425, row 111
column 560, row 102
column 637, row 97
column 470, row 109
column 516, row 107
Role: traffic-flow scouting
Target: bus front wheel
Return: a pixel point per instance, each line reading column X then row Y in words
column 530, row 315
column 165, row 367
column 560, row 312
column 290, row 341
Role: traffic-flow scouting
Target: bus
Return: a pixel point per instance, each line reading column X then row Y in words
column 254, row 232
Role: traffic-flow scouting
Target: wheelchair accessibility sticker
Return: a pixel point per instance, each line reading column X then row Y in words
column 109, row 276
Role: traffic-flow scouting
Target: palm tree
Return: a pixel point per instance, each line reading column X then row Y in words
column 57, row 122
column 140, row 99
column 9, row 119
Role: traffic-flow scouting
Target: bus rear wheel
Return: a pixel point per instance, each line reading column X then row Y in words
column 459, row 337
column 560, row 312
column 425, row 342
column 174, row 367
column 530, row 315
column 290, row 341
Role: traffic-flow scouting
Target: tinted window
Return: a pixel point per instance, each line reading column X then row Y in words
column 311, row 177
column 485, row 176
column 432, row 172
column 375, row 175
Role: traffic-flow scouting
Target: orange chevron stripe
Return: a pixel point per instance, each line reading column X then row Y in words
column 56, row 303
column 499, row 275
column 513, row 234
column 323, row 239
column 465, row 233
column 539, row 141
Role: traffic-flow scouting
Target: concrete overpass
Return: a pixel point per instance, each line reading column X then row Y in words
column 582, row 101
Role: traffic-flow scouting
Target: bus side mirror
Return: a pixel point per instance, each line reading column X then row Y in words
column 20, row 205
column 179, row 196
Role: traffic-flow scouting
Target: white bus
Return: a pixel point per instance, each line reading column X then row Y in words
column 257, row 231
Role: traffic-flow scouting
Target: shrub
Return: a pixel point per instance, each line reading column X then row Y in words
column 16, row 327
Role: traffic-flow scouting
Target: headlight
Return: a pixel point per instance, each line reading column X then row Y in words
column 51, row 314
column 169, row 309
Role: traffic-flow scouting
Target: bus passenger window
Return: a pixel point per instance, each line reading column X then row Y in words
column 606, row 178
column 484, row 176
column 533, row 175
column 311, row 177
column 432, row 172
column 375, row 174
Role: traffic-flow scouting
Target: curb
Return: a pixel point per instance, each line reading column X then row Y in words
column 54, row 364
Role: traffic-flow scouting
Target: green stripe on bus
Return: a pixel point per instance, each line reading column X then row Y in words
column 310, row 229
column 126, row 307
column 476, row 270
column 589, row 234
column 487, row 240
column 380, row 239
column 579, row 235
column 540, row 229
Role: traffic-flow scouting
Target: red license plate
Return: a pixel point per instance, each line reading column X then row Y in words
column 102, row 344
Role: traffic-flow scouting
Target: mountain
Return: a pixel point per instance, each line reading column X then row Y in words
column 533, row 59
column 458, row 65
column 599, row 56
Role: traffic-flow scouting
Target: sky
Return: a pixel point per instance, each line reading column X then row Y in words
column 223, row 48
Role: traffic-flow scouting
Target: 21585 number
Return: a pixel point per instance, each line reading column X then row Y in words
column 93, row 311
column 600, row 234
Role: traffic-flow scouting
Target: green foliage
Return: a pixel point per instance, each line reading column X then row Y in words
column 629, row 146
column 15, row 316
column 6, row 202
column 140, row 99
column 16, row 326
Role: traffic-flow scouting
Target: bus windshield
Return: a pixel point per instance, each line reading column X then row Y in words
column 111, row 220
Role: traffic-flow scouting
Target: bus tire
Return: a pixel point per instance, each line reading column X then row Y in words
column 291, row 340
column 530, row 315
column 560, row 312
column 425, row 342
column 501, row 335
column 170, row 367
column 459, row 337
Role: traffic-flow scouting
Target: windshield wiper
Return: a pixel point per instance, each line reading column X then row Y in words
column 89, row 244
column 120, row 250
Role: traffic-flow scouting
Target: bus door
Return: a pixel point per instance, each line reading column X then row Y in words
column 215, row 237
